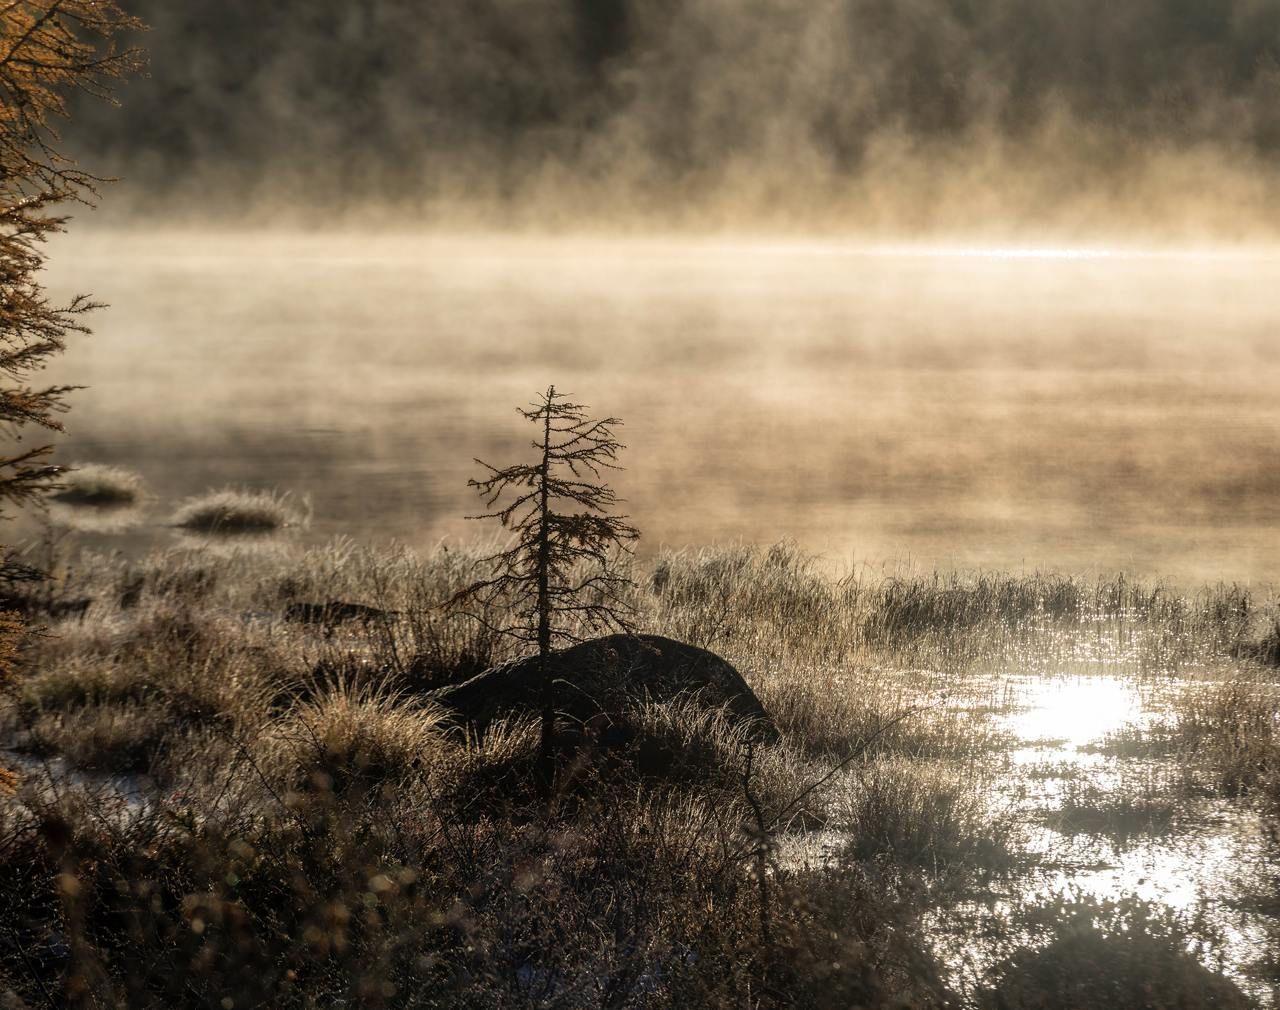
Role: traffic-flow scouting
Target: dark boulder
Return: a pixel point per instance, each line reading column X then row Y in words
column 603, row 679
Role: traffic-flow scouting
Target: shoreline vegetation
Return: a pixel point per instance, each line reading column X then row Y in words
column 237, row 511
column 93, row 485
column 304, row 826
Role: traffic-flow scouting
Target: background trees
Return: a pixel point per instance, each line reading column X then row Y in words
column 394, row 97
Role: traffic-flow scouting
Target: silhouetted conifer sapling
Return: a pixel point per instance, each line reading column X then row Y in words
column 560, row 576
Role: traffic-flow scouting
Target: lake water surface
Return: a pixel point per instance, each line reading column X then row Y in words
column 1019, row 409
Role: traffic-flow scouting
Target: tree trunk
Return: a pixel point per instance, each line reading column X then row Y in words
column 546, row 748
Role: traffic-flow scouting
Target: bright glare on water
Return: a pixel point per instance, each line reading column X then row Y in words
column 1070, row 712
column 1061, row 776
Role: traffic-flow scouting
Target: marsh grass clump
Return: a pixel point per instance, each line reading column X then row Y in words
column 234, row 511
column 350, row 735
column 934, row 817
column 1265, row 649
column 1258, row 893
column 851, row 940
column 494, row 775
column 685, row 742
column 761, row 609
column 829, row 717
column 113, row 737
column 677, row 739
column 97, row 486
column 1234, row 724
column 126, row 687
column 1131, row 810
column 961, row 621
column 106, row 718
column 677, row 747
column 1158, row 739
column 1122, row 955
column 82, row 682
column 757, row 608
column 909, row 606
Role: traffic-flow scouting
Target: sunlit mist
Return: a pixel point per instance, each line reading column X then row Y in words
column 640, row 504
column 1098, row 408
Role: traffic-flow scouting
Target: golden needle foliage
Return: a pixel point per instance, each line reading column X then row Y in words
column 49, row 51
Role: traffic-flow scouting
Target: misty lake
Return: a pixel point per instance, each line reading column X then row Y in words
column 934, row 406
column 1086, row 410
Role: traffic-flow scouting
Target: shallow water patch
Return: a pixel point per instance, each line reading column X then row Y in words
column 1113, row 810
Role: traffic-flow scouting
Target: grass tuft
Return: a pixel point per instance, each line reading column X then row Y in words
column 1122, row 955
column 1235, row 725
column 108, row 737
column 925, row 816
column 1131, row 811
column 1266, row 649
column 234, row 511
column 350, row 736
column 94, row 485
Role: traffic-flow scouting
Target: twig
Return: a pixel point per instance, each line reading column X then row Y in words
column 762, row 851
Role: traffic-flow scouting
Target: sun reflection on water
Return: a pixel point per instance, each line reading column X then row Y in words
column 1069, row 712
column 1058, row 727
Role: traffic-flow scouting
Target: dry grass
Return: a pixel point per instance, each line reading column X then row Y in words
column 339, row 844
column 924, row 815
column 98, row 486
column 1235, row 724
column 234, row 511
column 349, row 735
column 1132, row 809
column 113, row 737
column 1125, row 955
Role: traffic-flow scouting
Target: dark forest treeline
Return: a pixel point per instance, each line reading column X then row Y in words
column 394, row 95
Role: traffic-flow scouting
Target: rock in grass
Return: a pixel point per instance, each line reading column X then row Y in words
column 608, row 677
column 93, row 485
column 231, row 511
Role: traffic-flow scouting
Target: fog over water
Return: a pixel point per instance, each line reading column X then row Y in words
column 349, row 240
column 1083, row 408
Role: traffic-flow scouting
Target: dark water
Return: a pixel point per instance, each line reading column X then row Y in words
column 926, row 405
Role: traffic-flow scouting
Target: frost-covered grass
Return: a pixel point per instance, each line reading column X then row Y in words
column 98, row 486
column 233, row 511
column 315, row 834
